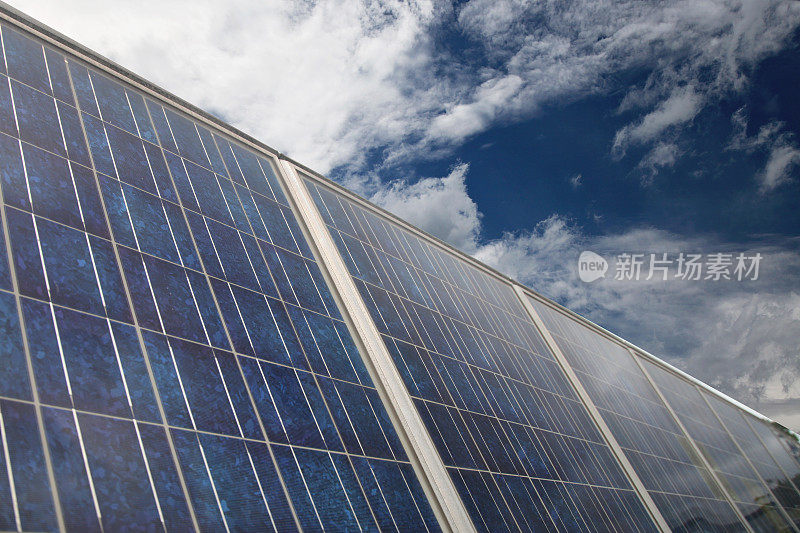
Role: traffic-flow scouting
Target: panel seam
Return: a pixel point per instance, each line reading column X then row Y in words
column 433, row 476
column 605, row 431
column 692, row 442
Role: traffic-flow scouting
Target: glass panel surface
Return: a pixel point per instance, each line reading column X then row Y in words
column 519, row 445
column 785, row 449
column 190, row 363
column 664, row 460
column 780, row 482
column 754, row 499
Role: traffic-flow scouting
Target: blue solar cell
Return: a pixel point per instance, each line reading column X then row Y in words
column 26, row 60
column 59, row 79
column 14, row 381
column 91, row 364
column 113, row 103
column 72, row 479
column 79, row 76
column 199, row 485
column 98, row 145
column 164, row 474
column 50, row 187
column 8, row 123
column 37, row 118
column 7, row 515
column 236, row 484
column 186, row 138
column 26, row 462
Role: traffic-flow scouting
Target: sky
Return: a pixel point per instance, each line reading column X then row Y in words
column 524, row 133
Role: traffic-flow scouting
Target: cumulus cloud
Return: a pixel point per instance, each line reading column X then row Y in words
column 441, row 206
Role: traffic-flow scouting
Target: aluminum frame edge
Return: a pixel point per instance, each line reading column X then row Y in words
column 425, row 459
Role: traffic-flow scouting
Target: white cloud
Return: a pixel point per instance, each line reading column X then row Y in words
column 783, row 155
column 777, row 170
column 466, row 119
column 681, row 107
column 441, row 206
column 663, row 154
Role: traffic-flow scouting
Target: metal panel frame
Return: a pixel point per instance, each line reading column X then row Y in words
column 427, row 463
column 619, row 454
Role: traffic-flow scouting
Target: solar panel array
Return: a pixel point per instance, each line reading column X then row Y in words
column 175, row 355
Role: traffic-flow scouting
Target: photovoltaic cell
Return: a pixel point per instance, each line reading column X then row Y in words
column 519, row 446
column 752, row 497
column 662, row 457
column 188, row 358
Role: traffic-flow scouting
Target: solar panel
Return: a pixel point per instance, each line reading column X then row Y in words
column 170, row 337
column 770, row 471
column 754, row 500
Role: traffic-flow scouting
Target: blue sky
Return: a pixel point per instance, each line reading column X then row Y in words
column 526, row 132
